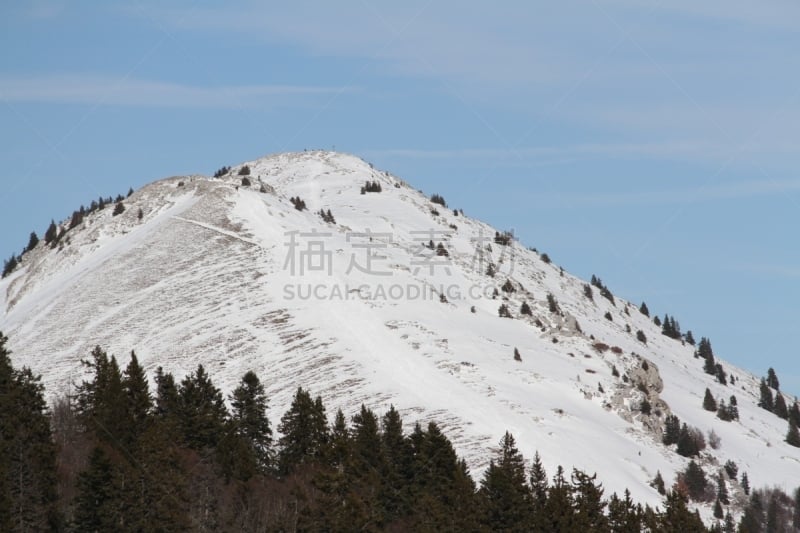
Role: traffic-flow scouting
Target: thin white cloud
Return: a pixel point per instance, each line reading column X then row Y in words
column 770, row 271
column 105, row 90
column 648, row 149
column 714, row 192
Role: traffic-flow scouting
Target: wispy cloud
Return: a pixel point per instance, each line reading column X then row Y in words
column 107, row 90
column 647, row 149
column 715, row 192
column 769, row 271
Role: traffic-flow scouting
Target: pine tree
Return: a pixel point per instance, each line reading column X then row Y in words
column 250, row 422
column 10, row 265
column 33, row 240
column 718, row 513
column 796, row 509
column 709, row 403
column 729, row 526
column 538, row 484
column 201, row 410
column 552, row 304
column 139, row 401
column 695, row 480
column 517, row 356
column 690, row 338
column 780, row 408
column 395, row 500
column 644, row 310
column 167, row 398
column 558, row 510
column 722, row 490
column 119, row 208
column 99, row 497
column 672, row 430
column 772, row 379
column 766, row 401
column 658, row 483
column 705, row 352
column 525, row 309
column 506, row 496
column 304, row 432
column 51, row 233
column 794, row 412
column 793, row 436
column 687, row 442
column 623, row 515
column 27, row 452
column 76, row 220
column 588, row 502
column 101, row 403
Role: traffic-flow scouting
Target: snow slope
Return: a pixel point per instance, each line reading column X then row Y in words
column 210, row 275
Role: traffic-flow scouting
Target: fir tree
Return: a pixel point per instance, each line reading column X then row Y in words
column 525, row 309
column 644, row 310
column 794, row 412
column 9, row 265
column 677, row 517
column 101, row 402
column 552, row 304
column 51, row 233
column 304, row 432
column 709, row 403
column 695, row 480
column 538, row 484
column 506, row 496
column 745, row 483
column 201, row 410
column 27, row 452
column 766, row 401
column 623, row 515
column 396, row 465
column 793, row 436
column 588, row 502
column 658, row 483
column 558, row 510
column 722, row 490
column 167, row 399
column 587, row 291
column 780, row 408
column 99, row 497
column 705, row 352
column 718, row 512
column 119, row 208
column 690, row 338
column 139, row 401
column 672, row 430
column 33, row 240
column 772, row 379
column 249, row 417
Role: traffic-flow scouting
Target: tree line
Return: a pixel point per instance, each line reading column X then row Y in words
column 118, row 456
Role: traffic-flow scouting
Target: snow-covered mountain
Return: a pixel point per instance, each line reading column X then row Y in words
column 360, row 309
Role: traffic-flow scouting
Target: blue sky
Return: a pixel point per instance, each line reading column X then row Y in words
column 654, row 144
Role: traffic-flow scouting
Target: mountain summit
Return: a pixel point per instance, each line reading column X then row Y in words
column 314, row 269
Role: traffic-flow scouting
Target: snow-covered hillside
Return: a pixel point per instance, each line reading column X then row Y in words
column 219, row 273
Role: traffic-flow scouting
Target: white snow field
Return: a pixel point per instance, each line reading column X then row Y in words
column 210, row 275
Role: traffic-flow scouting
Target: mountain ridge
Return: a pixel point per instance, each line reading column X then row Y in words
column 203, row 277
